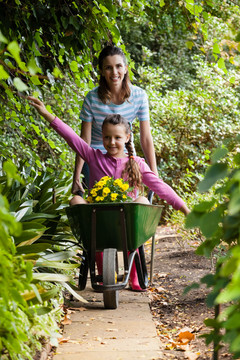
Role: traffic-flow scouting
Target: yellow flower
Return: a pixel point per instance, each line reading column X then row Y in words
column 89, row 199
column 98, row 198
column 124, row 197
column 114, row 196
column 105, row 178
column 100, row 184
column 93, row 192
column 118, row 182
column 106, row 191
column 124, row 187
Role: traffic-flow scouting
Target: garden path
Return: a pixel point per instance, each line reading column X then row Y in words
column 122, row 334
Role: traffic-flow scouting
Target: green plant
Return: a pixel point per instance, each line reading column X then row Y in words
column 37, row 253
column 108, row 189
column 219, row 219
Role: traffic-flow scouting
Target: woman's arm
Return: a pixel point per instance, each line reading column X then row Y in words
column 147, row 145
column 86, row 136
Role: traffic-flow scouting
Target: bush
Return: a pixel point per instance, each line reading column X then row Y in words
column 188, row 124
column 219, row 219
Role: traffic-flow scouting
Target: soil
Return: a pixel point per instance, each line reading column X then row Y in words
column 176, row 266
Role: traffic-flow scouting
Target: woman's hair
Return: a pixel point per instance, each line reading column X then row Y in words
column 104, row 92
column 132, row 169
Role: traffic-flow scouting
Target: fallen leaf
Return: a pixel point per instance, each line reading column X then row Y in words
column 63, row 340
column 185, row 335
column 66, row 320
column 160, row 289
column 192, row 356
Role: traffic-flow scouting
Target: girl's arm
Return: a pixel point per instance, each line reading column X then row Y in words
column 163, row 190
column 73, row 140
column 40, row 107
column 86, row 136
column 147, row 145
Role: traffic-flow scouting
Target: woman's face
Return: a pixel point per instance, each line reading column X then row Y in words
column 114, row 70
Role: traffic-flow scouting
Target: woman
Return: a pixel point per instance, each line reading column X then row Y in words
column 114, row 95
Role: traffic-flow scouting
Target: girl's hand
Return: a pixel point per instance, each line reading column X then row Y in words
column 185, row 209
column 40, row 107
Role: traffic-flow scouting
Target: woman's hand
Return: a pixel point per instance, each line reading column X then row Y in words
column 40, row 107
column 76, row 187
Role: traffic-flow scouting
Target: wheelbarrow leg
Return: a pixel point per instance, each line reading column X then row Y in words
column 152, row 259
column 83, row 271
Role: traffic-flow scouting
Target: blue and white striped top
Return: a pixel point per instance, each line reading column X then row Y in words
column 93, row 110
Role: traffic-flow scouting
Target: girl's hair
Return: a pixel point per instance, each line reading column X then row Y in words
column 132, row 169
column 104, row 92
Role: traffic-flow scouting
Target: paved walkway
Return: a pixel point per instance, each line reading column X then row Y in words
column 127, row 333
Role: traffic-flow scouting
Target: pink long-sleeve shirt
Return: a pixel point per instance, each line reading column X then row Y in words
column 105, row 165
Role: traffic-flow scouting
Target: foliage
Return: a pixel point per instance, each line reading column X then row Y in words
column 49, row 49
column 35, row 248
column 188, row 124
column 218, row 219
column 108, row 189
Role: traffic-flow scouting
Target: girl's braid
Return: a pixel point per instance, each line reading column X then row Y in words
column 132, row 168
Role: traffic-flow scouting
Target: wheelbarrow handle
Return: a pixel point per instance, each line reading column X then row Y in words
column 150, row 196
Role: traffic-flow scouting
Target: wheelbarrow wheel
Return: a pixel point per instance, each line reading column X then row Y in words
column 110, row 298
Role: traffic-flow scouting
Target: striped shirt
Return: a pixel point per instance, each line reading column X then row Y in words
column 93, row 110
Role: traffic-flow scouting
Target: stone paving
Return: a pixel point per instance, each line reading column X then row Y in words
column 127, row 333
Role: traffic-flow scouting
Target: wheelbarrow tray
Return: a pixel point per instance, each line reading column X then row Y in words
column 141, row 223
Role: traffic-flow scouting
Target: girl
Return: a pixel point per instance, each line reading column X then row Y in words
column 114, row 95
column 116, row 135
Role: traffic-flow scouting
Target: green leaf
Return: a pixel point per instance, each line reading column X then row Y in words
column 193, row 219
column 235, row 345
column 230, row 293
column 234, row 204
column 221, row 65
column 51, row 277
column 190, row 287
column 60, row 255
column 19, row 84
column 14, row 49
column 3, row 74
column 214, row 173
column 236, row 159
column 203, row 206
column 216, row 49
column 34, row 216
column 189, row 44
column 54, row 264
column 209, row 223
column 32, row 67
column 3, row 39
column 32, row 249
column 35, row 80
column 74, row 293
column 74, row 66
column 218, row 154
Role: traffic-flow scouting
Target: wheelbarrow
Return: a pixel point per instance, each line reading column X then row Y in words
column 111, row 228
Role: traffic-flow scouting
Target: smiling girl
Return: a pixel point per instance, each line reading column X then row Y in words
column 116, row 137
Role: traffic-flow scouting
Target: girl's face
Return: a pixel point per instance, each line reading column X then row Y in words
column 114, row 139
column 114, row 70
